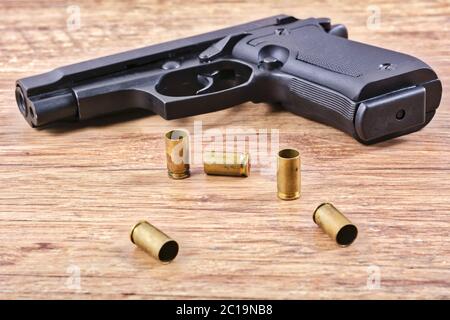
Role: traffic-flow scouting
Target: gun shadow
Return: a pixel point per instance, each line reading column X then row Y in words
column 104, row 121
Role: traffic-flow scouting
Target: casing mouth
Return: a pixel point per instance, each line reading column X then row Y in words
column 288, row 154
column 168, row 251
column 176, row 134
column 346, row 235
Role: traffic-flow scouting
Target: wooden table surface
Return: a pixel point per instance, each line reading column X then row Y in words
column 70, row 194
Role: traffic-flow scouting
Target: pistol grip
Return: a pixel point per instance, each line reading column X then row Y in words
column 369, row 121
column 368, row 92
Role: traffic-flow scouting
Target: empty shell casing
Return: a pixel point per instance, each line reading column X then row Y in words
column 288, row 174
column 335, row 224
column 177, row 153
column 226, row 164
column 154, row 241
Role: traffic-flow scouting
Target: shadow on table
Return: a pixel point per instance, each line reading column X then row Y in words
column 104, row 121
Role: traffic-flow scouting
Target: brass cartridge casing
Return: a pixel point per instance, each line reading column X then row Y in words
column 177, row 153
column 335, row 224
column 226, row 164
column 288, row 174
column 154, row 241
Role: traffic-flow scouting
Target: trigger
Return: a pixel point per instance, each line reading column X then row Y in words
column 206, row 81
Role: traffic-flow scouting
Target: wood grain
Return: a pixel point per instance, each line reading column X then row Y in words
column 69, row 195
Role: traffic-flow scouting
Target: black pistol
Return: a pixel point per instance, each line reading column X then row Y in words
column 308, row 66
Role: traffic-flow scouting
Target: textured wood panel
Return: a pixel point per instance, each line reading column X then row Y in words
column 69, row 195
